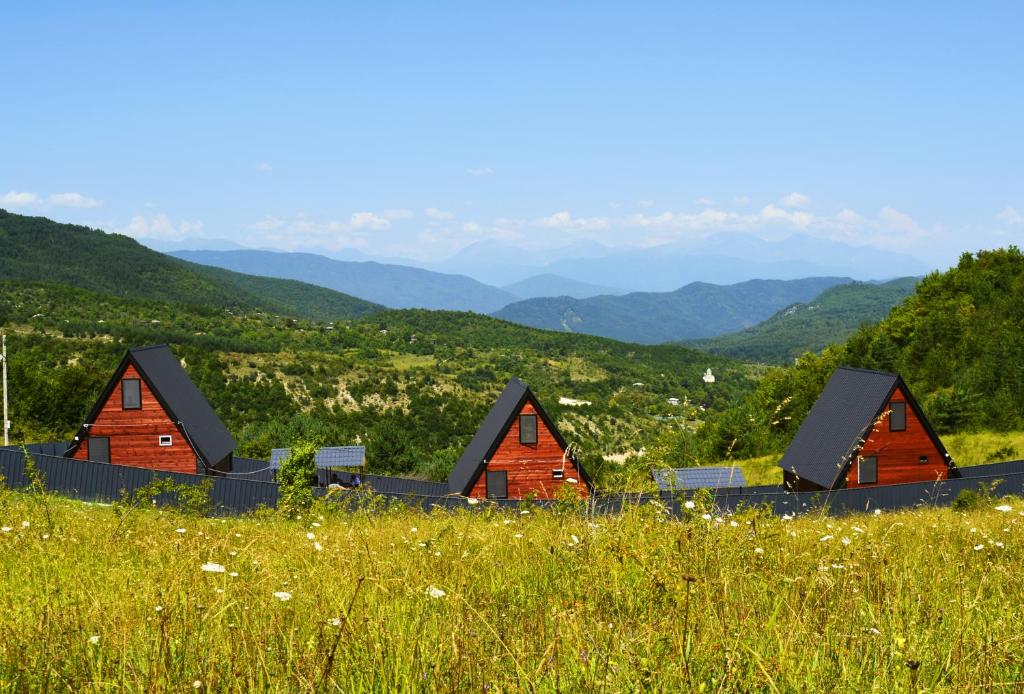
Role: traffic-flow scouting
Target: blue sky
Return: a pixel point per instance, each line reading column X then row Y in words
column 416, row 129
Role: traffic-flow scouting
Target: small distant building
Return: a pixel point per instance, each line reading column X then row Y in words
column 330, row 462
column 151, row 415
column 710, row 477
column 517, row 451
column 865, row 429
column 673, row 401
column 708, row 376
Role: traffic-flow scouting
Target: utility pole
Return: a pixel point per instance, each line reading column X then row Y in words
column 3, row 359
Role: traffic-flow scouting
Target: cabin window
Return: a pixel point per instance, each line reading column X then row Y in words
column 528, row 428
column 923, row 460
column 131, row 394
column 497, row 484
column 867, row 471
column 166, row 440
column 557, row 474
column 898, row 416
column 99, row 449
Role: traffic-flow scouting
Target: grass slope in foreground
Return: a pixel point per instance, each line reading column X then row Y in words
column 40, row 250
column 928, row 600
column 810, row 327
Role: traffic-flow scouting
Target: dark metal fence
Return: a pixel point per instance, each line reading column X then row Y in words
column 238, row 494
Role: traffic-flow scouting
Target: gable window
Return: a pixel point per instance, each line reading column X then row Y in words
column 166, row 440
column 898, row 416
column 528, row 428
column 867, row 470
column 558, row 474
column 131, row 394
column 497, row 484
column 99, row 449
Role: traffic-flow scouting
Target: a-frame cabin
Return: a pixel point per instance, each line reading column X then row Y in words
column 151, row 415
column 516, row 452
column 865, row 429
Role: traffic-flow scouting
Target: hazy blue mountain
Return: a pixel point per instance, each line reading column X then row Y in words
column 395, row 286
column 809, row 327
column 546, row 284
column 697, row 310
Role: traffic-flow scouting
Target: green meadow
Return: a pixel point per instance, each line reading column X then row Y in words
column 153, row 600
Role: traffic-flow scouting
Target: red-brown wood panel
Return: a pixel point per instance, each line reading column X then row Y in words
column 135, row 434
column 899, row 452
column 529, row 466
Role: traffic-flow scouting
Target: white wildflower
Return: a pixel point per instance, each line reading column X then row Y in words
column 758, row 550
column 878, row 511
column 159, row 608
column 507, row 522
column 473, row 501
column 575, row 540
column 310, row 536
column 180, row 531
column 1004, row 508
column 524, row 513
column 435, row 592
column 857, row 530
column 233, row 574
column 978, row 548
column 214, row 568
column 846, row 540
column 283, row 596
column 824, row 538
column 706, row 516
column 315, row 525
column 518, row 536
column 733, row 524
column 5, row 529
column 874, row 631
column 318, row 547
column 94, row 639
column 25, row 524
column 999, row 545
column 334, row 621
column 690, row 504
column 198, row 684
column 414, row 529
column 787, row 516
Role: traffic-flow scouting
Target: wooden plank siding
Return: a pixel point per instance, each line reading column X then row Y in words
column 134, row 434
column 899, row 452
column 529, row 466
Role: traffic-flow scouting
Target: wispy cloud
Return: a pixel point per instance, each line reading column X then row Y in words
column 16, row 198
column 160, row 227
column 264, row 167
column 73, row 200
column 20, row 199
column 399, row 213
column 795, row 200
column 438, row 215
column 1011, row 216
column 480, row 171
column 565, row 220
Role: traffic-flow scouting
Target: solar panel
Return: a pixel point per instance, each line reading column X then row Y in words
column 328, row 457
column 341, row 456
column 699, row 477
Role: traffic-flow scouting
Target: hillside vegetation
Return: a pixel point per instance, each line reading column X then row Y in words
column 394, row 286
column 829, row 319
column 413, row 385
column 41, row 250
column 958, row 341
column 151, row 600
column 697, row 310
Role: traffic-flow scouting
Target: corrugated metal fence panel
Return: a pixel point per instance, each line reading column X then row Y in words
column 252, row 469
column 991, row 469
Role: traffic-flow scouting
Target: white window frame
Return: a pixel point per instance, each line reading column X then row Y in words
column 165, row 440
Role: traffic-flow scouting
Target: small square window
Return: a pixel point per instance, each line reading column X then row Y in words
column 867, row 470
column 497, row 484
column 166, row 440
column 897, row 416
column 528, row 428
column 131, row 394
column 557, row 474
column 923, row 460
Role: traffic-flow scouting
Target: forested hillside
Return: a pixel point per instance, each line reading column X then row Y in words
column 958, row 341
column 697, row 310
column 810, row 327
column 413, row 385
column 37, row 249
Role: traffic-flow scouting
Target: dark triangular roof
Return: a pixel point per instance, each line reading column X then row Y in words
column 179, row 397
column 492, row 432
column 835, row 427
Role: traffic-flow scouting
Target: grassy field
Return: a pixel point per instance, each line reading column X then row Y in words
column 928, row 600
column 967, row 450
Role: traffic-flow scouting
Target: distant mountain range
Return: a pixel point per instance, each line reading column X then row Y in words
column 724, row 258
column 809, row 327
column 696, row 310
column 547, row 284
column 394, row 286
column 40, row 250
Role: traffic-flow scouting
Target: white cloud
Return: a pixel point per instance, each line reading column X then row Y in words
column 73, row 200
column 369, row 220
column 704, row 202
column 564, row 220
column 899, row 221
column 264, row 167
column 646, row 204
column 742, row 200
column 440, row 215
column 399, row 214
column 160, row 227
column 771, row 213
column 481, row 171
column 19, row 199
column 267, row 224
column 795, row 200
column 1010, row 216
column 849, row 217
